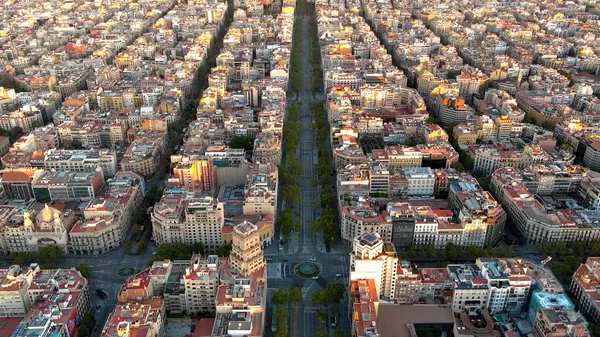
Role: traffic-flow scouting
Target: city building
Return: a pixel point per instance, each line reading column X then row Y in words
column 145, row 153
column 28, row 292
column 201, row 281
column 139, row 311
column 560, row 322
column 177, row 218
column 471, row 290
column 363, row 301
column 360, row 217
column 194, row 174
column 28, row 227
column 583, row 287
column 373, row 259
column 82, row 161
column 106, row 219
column 18, row 183
column 66, row 186
column 547, row 219
column 260, row 190
column 246, row 251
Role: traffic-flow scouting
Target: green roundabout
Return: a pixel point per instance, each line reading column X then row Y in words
column 307, row 269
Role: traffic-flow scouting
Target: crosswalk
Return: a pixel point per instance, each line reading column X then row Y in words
column 96, row 284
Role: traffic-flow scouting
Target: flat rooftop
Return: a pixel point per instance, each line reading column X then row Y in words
column 396, row 320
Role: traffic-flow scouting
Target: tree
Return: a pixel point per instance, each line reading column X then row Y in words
column 136, row 229
column 87, row 324
column 76, row 144
column 561, row 269
column 458, row 167
column 282, row 321
column 83, row 331
column 466, row 161
column 36, row 125
column 142, row 243
column 338, row 333
column 292, row 194
column 327, row 197
column 322, row 315
column 286, row 221
column 281, row 296
column 48, row 256
column 85, row 270
column 224, row 250
column 318, row 298
column 177, row 251
column 241, row 142
column 295, row 296
column 322, row 333
column 335, row 292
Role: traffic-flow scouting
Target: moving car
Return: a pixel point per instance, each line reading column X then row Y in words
column 103, row 295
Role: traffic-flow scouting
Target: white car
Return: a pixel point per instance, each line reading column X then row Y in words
column 313, row 258
column 338, row 275
column 315, row 277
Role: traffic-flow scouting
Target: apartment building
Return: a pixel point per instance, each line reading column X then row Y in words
column 201, row 281
column 540, row 221
column 106, row 218
column 194, row 174
column 65, row 186
column 452, row 109
column 28, row 117
column 168, row 217
column 267, row 148
column 465, row 134
column 363, row 299
column 471, row 290
column 25, row 293
column 591, row 157
column 333, row 78
column 18, row 183
column 82, row 161
column 374, row 259
column 560, row 322
column 584, row 283
column 139, row 310
column 360, row 217
column 246, row 250
column 242, row 293
column 14, row 296
column 260, row 190
column 398, row 156
column 508, row 290
column 4, row 145
column 408, row 284
column 479, row 211
column 204, row 221
column 177, row 218
column 145, row 153
column 348, row 154
column 421, row 181
column 489, row 158
column 379, row 178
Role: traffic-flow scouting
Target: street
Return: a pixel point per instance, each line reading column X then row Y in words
column 305, row 245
